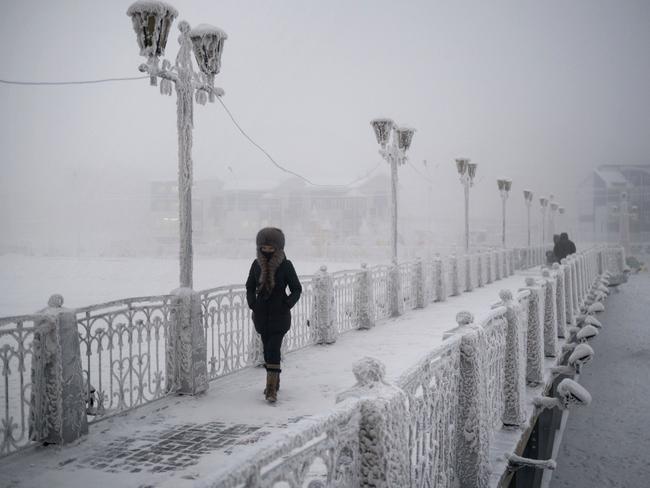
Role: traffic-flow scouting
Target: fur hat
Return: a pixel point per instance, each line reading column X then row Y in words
column 270, row 236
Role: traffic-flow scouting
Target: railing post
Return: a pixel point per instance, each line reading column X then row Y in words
column 395, row 296
column 455, row 280
column 550, row 314
column 488, row 256
column 57, row 412
column 534, row 335
column 324, row 313
column 468, row 273
column 384, row 426
column 560, row 299
column 440, row 279
column 568, row 293
column 514, row 384
column 498, row 262
column 418, row 281
column 473, row 435
column 187, row 353
column 479, row 266
column 364, row 299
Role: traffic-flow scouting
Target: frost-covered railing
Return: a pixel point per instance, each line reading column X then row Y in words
column 16, row 338
column 343, row 284
column 123, row 352
column 322, row 451
column 380, row 288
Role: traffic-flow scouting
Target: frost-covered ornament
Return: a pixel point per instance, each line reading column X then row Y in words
column 572, row 393
column 581, row 355
column 586, row 333
column 404, row 137
column 596, row 307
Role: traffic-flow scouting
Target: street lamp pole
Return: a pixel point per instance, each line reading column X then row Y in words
column 395, row 142
column 152, row 21
column 528, row 199
column 554, row 207
column 467, row 172
column 543, row 201
column 504, row 186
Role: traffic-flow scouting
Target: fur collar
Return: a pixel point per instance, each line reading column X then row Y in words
column 269, row 267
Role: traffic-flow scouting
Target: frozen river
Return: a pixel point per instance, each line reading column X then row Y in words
column 26, row 282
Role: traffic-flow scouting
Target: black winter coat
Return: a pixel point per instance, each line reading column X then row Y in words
column 272, row 314
column 564, row 248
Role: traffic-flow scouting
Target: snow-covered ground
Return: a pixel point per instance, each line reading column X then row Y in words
column 26, row 282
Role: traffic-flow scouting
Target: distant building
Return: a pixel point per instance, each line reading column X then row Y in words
column 230, row 213
column 609, row 182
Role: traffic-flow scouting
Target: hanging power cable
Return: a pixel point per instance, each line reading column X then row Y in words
column 230, row 115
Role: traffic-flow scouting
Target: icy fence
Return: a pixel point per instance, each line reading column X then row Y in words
column 435, row 425
column 137, row 350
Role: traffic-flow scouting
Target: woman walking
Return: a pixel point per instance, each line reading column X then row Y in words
column 270, row 275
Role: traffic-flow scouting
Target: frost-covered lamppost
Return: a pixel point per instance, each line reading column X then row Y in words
column 467, row 172
column 543, row 201
column 394, row 142
column 504, row 186
column 554, row 206
column 528, row 199
column 152, row 22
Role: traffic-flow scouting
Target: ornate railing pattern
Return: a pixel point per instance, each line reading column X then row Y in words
column 123, row 346
column 300, row 335
column 228, row 329
column 323, row 451
column 16, row 337
column 343, row 284
column 407, row 278
column 380, row 287
column 493, row 355
column 432, row 389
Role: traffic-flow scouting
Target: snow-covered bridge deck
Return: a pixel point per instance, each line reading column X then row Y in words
column 176, row 440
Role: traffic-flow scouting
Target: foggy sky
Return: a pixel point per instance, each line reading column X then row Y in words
column 540, row 92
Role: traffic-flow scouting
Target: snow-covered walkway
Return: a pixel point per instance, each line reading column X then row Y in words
column 179, row 439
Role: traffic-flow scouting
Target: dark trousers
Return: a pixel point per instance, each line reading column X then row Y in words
column 272, row 345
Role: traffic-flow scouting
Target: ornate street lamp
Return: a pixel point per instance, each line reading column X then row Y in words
column 394, row 142
column 504, row 186
column 543, row 201
column 152, row 22
column 467, row 172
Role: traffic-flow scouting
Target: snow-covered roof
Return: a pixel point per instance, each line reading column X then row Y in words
column 611, row 177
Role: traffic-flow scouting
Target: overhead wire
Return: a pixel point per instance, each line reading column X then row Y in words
column 228, row 112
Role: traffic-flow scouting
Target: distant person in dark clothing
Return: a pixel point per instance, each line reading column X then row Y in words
column 564, row 247
column 551, row 257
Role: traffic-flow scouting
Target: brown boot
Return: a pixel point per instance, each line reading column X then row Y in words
column 272, row 380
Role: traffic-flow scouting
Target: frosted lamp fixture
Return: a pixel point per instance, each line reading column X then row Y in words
column 528, row 195
column 543, row 201
column 461, row 165
column 471, row 170
column 382, row 128
column 404, row 137
column 561, row 210
column 152, row 21
column 554, row 206
column 501, row 184
column 207, row 43
column 507, row 184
